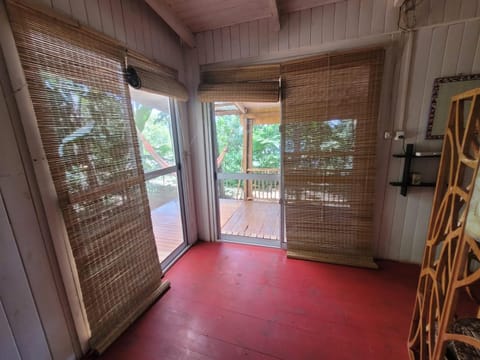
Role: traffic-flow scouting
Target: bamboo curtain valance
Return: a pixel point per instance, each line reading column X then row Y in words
column 329, row 107
column 82, row 105
column 247, row 84
column 156, row 78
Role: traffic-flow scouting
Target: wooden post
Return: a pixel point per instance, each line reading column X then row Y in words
column 249, row 123
column 243, row 121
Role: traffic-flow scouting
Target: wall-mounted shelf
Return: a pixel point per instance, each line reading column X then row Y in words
column 409, row 155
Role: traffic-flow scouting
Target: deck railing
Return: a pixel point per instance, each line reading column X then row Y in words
column 256, row 184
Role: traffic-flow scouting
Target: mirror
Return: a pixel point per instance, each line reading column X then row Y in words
column 443, row 89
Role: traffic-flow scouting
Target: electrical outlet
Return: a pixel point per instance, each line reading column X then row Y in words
column 387, row 135
column 399, row 135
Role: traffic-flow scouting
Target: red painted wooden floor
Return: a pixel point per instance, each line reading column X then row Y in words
column 232, row 301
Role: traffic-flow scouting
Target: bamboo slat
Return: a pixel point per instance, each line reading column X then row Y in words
column 242, row 84
column 83, row 111
column 329, row 108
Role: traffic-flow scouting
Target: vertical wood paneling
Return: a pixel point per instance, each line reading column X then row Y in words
column 146, row 27
column 452, row 10
column 434, row 55
column 476, row 59
column 421, row 226
column 467, row 8
column 272, row 38
column 378, row 17
column 328, row 21
column 365, row 18
column 422, row 13
column 452, row 48
column 79, row 11
column 253, row 38
column 466, row 55
column 129, row 25
column 316, row 35
column 157, row 41
column 46, row 3
column 117, row 15
column 107, row 18
column 93, row 14
column 8, row 346
column 391, row 18
column 218, row 44
column 283, row 33
column 226, row 44
column 62, row 6
column 340, row 22
column 407, row 239
column 305, row 27
column 263, row 37
column 353, row 13
column 235, row 41
column 244, row 41
column 436, row 11
column 210, row 52
column 200, row 41
column 136, row 16
column 294, row 30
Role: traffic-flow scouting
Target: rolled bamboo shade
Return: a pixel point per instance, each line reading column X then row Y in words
column 329, row 107
column 156, row 78
column 245, row 84
column 82, row 105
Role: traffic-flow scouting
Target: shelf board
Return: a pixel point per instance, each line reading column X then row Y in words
column 423, row 184
column 416, row 156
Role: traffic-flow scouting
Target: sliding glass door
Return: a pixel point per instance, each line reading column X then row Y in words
column 155, row 120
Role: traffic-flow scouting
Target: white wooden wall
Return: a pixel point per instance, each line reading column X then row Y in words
column 131, row 22
column 443, row 50
column 41, row 331
column 445, row 43
column 28, row 286
column 344, row 20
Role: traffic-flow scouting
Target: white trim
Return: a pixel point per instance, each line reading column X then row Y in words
column 45, row 181
column 213, row 216
column 248, row 176
column 237, row 239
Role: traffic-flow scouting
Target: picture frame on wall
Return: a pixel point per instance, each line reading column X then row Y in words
column 443, row 90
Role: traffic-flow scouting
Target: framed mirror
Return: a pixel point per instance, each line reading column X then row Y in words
column 443, row 89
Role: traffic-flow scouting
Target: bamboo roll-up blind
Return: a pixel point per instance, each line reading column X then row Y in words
column 329, row 107
column 156, row 78
column 82, row 106
column 243, row 84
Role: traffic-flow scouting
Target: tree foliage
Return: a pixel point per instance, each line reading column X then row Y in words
column 155, row 126
column 266, row 144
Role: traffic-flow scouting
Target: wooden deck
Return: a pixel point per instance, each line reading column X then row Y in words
column 238, row 217
column 167, row 227
column 250, row 218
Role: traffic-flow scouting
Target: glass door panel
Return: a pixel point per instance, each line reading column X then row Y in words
column 155, row 123
column 247, row 148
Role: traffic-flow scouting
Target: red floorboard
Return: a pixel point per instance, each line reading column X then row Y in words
column 231, row 301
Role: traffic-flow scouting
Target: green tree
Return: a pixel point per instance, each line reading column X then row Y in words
column 266, row 146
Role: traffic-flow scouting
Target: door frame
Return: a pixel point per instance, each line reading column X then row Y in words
column 218, row 236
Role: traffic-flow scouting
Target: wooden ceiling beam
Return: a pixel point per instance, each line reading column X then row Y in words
column 242, row 108
column 164, row 11
column 275, row 18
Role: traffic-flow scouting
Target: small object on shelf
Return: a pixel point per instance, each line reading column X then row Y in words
column 408, row 178
column 427, row 153
column 416, row 178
